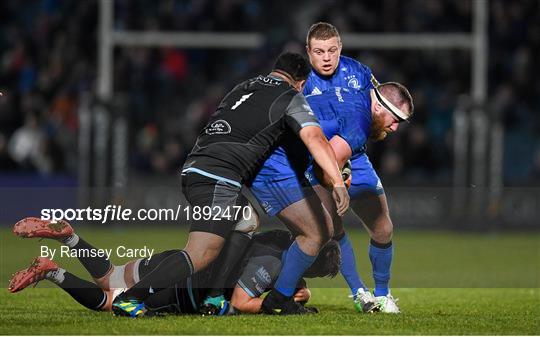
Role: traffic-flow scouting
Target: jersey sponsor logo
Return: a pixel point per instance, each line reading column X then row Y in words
column 316, row 91
column 338, row 94
column 257, row 286
column 263, row 275
column 219, row 127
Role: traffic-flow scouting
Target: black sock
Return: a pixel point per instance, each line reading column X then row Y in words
column 173, row 269
column 97, row 266
column 233, row 251
column 84, row 292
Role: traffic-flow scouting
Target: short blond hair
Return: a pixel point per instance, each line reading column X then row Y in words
column 321, row 31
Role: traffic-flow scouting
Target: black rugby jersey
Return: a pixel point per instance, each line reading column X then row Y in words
column 258, row 271
column 248, row 125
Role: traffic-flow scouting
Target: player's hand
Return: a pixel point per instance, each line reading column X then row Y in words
column 302, row 295
column 346, row 173
column 341, row 197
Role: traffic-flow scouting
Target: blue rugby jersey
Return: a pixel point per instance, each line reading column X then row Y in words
column 345, row 113
column 349, row 74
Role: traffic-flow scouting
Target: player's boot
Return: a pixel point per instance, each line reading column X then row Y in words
column 364, row 301
column 37, row 228
column 123, row 306
column 387, row 304
column 37, row 271
column 215, row 306
column 277, row 304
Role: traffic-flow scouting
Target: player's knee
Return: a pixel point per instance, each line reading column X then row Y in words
column 319, row 239
column 104, row 281
column 249, row 222
column 202, row 255
column 383, row 229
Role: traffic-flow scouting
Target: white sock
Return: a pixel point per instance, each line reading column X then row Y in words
column 71, row 241
column 56, row 276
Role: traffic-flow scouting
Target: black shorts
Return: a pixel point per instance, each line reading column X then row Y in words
column 216, row 205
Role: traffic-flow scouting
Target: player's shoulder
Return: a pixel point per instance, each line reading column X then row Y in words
column 353, row 64
column 349, row 61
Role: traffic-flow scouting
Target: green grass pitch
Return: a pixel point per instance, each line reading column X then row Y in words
column 447, row 283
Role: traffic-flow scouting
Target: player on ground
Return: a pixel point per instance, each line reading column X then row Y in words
column 259, row 269
column 331, row 69
column 250, row 122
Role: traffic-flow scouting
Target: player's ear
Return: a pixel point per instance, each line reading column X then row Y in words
column 300, row 85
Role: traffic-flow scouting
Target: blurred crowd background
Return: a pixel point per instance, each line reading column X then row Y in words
column 48, row 53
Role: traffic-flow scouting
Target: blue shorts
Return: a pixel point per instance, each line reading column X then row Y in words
column 277, row 186
column 364, row 177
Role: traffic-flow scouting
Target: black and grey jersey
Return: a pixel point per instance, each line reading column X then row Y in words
column 259, row 269
column 263, row 262
column 248, row 125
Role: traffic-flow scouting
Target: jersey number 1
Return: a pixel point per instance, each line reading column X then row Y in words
column 240, row 101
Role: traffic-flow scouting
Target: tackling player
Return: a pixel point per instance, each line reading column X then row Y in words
column 259, row 269
column 252, row 119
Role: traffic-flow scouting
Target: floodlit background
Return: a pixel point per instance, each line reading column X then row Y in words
column 102, row 100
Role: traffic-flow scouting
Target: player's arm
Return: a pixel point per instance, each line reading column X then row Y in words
column 321, row 151
column 243, row 302
column 302, row 295
column 302, row 120
column 323, row 155
column 342, row 150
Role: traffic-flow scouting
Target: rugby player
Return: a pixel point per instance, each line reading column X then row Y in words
column 349, row 118
column 258, row 270
column 331, row 69
column 253, row 119
column 280, row 193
